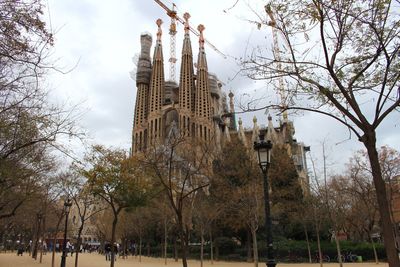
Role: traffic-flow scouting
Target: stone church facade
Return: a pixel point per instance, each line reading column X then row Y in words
column 197, row 107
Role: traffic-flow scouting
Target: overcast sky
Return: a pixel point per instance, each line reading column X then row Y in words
column 98, row 39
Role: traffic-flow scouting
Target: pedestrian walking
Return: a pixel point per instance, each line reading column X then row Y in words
column 107, row 251
column 20, row 248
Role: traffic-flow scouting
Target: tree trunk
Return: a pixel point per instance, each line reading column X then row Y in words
column 140, row 248
column 339, row 254
column 183, row 234
column 165, row 241
column 53, row 254
column 318, row 238
column 114, row 227
column 201, row 246
column 184, row 245
column 308, row 243
column 217, row 252
column 42, row 235
column 248, row 246
column 175, row 250
column 255, row 246
column 374, row 249
column 319, row 248
column 124, row 248
column 36, row 242
column 211, row 247
column 78, row 244
column 380, row 187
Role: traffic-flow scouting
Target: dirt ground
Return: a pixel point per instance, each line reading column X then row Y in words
column 96, row 260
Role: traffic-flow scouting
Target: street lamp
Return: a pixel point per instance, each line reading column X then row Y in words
column 263, row 149
column 67, row 207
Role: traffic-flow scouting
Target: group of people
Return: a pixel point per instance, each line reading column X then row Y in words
column 108, row 251
column 82, row 248
column 21, row 247
column 71, row 248
column 118, row 251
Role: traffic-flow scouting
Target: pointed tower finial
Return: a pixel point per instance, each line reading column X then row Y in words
column 159, row 32
column 186, row 16
column 254, row 119
column 256, row 131
column 232, row 109
column 201, row 28
column 271, row 134
column 241, row 133
column 231, row 104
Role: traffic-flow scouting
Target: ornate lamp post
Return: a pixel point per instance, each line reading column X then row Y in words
column 263, row 149
column 67, row 207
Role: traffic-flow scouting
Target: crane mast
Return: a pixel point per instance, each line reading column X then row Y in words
column 172, row 31
column 172, row 48
column 277, row 56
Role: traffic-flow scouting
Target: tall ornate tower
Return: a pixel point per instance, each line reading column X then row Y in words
column 186, row 84
column 143, row 75
column 154, row 124
column 202, row 103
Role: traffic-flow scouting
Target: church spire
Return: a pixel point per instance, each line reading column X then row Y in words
column 156, row 89
column 202, row 61
column 203, row 101
column 202, row 89
column 158, row 49
column 232, row 111
column 186, row 82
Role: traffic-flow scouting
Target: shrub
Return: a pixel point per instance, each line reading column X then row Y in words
column 226, row 245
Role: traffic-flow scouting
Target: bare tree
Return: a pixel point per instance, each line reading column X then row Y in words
column 181, row 167
column 365, row 214
column 207, row 210
column 86, row 206
column 339, row 54
column 30, row 126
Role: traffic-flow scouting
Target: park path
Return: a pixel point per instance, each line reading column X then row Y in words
column 96, row 260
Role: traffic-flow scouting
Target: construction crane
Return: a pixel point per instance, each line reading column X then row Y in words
column 277, row 56
column 172, row 31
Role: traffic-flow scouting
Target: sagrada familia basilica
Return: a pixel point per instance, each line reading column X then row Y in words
column 197, row 107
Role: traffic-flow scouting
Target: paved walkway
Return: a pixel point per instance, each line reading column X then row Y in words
column 96, row 260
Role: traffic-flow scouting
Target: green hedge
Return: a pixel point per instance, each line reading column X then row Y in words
column 291, row 250
column 285, row 250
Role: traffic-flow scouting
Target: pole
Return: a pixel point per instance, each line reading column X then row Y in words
column 268, row 223
column 64, row 252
